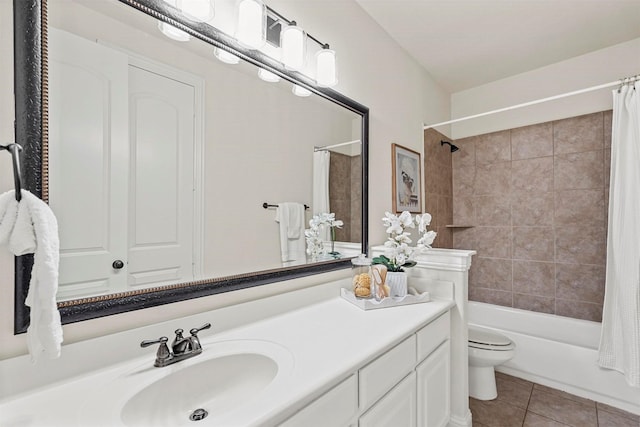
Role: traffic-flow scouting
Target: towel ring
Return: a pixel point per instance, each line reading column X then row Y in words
column 15, row 150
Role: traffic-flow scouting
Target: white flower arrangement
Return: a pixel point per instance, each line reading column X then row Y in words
column 315, row 244
column 398, row 253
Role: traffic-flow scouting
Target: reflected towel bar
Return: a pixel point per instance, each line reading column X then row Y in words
column 15, row 149
column 267, row 205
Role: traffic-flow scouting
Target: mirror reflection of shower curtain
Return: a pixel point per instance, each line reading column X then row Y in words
column 620, row 337
column 321, row 162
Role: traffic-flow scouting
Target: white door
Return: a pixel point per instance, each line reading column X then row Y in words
column 129, row 134
column 88, row 139
column 161, row 190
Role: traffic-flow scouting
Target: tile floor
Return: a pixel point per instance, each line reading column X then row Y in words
column 523, row 403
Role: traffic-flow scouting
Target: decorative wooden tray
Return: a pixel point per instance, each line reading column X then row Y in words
column 371, row 304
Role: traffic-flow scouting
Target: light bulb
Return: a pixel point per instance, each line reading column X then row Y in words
column 268, row 76
column 251, row 31
column 226, row 57
column 197, row 10
column 293, row 43
column 173, row 32
column 326, row 67
column 300, row 91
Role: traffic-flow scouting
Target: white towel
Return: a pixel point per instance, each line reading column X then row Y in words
column 31, row 227
column 290, row 216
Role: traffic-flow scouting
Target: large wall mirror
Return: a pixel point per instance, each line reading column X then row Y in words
column 173, row 174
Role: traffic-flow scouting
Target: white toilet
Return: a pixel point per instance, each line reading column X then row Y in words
column 487, row 349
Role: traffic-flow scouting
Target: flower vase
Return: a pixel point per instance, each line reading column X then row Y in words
column 397, row 282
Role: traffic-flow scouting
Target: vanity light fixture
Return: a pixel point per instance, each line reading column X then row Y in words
column 226, row 57
column 300, row 91
column 251, row 30
column 173, row 32
column 294, row 47
column 268, row 76
column 197, row 10
column 326, row 67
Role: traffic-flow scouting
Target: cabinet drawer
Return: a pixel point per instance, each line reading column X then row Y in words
column 432, row 335
column 337, row 407
column 382, row 374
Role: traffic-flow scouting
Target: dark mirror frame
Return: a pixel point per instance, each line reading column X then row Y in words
column 31, row 124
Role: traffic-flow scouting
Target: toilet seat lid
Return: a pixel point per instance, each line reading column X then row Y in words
column 486, row 337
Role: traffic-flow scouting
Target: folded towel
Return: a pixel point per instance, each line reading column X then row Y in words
column 290, row 216
column 31, row 227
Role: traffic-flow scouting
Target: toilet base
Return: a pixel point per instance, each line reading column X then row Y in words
column 482, row 382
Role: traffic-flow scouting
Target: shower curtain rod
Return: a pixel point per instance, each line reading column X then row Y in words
column 538, row 101
column 335, row 145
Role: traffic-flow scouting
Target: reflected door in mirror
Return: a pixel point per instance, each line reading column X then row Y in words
column 129, row 133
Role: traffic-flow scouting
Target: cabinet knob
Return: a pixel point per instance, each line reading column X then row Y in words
column 117, row 264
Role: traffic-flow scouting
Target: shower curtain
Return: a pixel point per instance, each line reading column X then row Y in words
column 620, row 337
column 321, row 161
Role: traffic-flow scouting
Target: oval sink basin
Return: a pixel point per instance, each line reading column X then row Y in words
column 216, row 385
column 227, row 380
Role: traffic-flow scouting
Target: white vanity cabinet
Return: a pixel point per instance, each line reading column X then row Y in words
column 407, row 386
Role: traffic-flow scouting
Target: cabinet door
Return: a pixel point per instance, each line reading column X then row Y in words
column 397, row 408
column 433, row 388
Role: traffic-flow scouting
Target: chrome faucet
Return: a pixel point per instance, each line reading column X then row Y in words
column 181, row 348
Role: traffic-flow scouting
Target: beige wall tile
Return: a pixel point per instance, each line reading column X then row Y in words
column 465, row 238
column 494, row 178
column 533, row 243
column 530, row 209
column 579, row 310
column 493, row 242
column 431, row 206
column 464, row 181
column 580, row 244
column 579, row 170
column 493, row 147
column 444, row 239
column 580, row 282
column 577, row 134
column 532, row 175
column 491, row 296
column 466, row 155
column 493, row 273
column 532, row 141
column 463, row 211
column 579, row 207
column 493, row 210
column 608, row 119
column 607, row 166
column 534, row 278
column 534, row 303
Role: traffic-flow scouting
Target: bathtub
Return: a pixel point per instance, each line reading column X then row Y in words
column 558, row 352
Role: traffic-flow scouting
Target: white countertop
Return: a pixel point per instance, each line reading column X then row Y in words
column 325, row 342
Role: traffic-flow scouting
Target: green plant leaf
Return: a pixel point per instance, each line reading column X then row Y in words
column 409, row 264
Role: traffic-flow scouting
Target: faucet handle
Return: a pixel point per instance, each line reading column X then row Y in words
column 195, row 331
column 195, row 341
column 163, row 351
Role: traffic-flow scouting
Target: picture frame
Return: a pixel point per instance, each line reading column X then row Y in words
column 407, row 182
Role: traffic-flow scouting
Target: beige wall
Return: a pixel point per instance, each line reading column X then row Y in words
column 538, row 197
column 592, row 69
column 373, row 70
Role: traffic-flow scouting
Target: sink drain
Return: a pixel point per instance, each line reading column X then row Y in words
column 198, row 414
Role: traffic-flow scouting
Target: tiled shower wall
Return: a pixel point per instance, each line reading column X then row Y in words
column 537, row 199
column 438, row 187
column 345, row 200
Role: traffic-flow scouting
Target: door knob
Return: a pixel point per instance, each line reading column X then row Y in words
column 117, row 264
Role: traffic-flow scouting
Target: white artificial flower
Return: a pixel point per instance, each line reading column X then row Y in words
column 406, row 220
column 423, row 221
column 403, row 238
column 337, row 223
column 427, row 239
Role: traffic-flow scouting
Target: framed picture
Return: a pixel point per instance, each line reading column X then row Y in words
column 407, row 188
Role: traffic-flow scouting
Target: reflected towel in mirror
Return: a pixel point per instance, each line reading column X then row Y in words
column 290, row 216
column 31, row 227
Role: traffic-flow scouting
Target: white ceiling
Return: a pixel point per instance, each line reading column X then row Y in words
column 467, row 43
